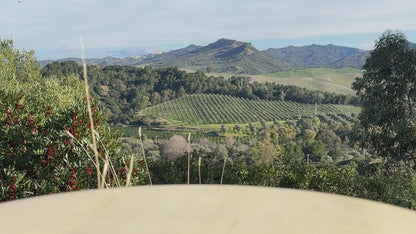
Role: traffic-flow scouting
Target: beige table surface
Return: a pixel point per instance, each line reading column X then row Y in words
column 202, row 209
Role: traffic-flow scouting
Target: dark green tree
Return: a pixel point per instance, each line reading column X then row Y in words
column 387, row 90
column 223, row 129
column 315, row 149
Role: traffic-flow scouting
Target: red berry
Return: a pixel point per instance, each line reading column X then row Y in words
column 89, row 171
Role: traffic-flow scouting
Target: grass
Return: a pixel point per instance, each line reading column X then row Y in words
column 322, row 79
column 94, row 143
column 314, row 72
column 102, row 173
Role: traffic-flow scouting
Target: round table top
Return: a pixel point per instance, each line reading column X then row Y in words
column 202, row 209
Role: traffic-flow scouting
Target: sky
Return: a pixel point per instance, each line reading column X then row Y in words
column 122, row 28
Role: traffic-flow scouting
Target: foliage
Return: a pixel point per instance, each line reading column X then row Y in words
column 44, row 133
column 394, row 184
column 329, row 138
column 260, row 145
column 335, row 154
column 315, row 150
column 388, row 92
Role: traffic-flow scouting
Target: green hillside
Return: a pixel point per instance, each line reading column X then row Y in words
column 323, row 79
column 314, row 72
column 222, row 109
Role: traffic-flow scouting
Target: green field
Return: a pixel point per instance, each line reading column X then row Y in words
column 204, row 109
column 323, row 79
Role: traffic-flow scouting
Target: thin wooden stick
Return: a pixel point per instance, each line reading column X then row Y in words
column 130, row 171
column 223, row 169
column 189, row 155
column 199, row 169
column 105, row 170
column 144, row 156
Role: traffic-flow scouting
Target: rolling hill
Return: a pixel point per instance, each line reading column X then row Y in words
column 324, row 79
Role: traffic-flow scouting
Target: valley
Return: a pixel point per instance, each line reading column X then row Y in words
column 222, row 113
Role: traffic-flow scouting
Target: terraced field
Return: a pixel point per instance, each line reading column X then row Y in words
column 201, row 109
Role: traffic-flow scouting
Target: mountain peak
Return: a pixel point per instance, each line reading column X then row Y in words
column 223, row 55
column 223, row 42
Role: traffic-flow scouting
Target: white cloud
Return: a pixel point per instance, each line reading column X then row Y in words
column 128, row 23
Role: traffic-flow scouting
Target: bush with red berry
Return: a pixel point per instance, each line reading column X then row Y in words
column 45, row 139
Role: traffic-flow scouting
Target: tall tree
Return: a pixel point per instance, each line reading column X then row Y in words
column 387, row 90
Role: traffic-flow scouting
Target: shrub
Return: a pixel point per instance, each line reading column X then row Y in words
column 44, row 132
column 175, row 147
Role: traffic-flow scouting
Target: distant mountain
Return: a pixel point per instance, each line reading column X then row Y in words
column 312, row 55
column 223, row 56
column 104, row 61
column 356, row 60
column 235, row 57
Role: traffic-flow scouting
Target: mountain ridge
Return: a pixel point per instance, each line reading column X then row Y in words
column 236, row 57
column 312, row 55
column 222, row 56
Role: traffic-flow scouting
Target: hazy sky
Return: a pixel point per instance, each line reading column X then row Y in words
column 53, row 27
